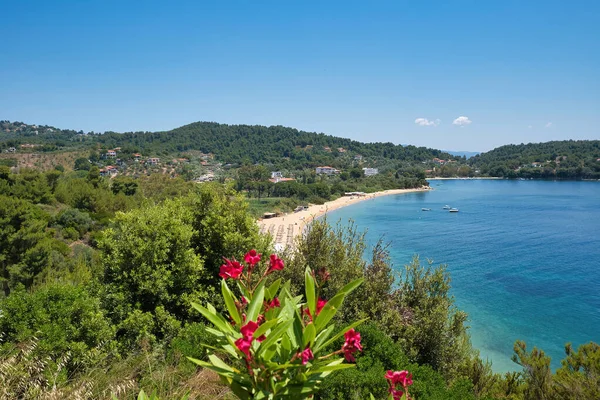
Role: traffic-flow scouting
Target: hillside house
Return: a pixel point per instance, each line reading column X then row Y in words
column 111, row 154
column 327, row 149
column 370, row 171
column 136, row 157
column 110, row 170
column 326, row 170
column 153, row 161
column 276, row 174
column 341, row 150
column 358, row 157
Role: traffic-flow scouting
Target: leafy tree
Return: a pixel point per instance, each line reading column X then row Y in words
column 82, row 164
column 579, row 375
column 536, row 371
column 150, row 265
column 431, row 330
column 26, row 247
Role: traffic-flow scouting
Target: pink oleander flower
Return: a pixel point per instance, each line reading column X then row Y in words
column 351, row 345
column 320, row 304
column 399, row 377
column 231, row 269
column 244, row 344
column 252, row 258
column 244, row 301
column 396, row 394
column 275, row 264
column 261, row 338
column 272, row 304
column 307, row 355
column 248, row 330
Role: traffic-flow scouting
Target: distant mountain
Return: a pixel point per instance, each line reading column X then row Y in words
column 467, row 154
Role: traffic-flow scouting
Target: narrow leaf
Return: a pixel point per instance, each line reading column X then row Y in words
column 230, row 302
column 214, row 318
column 309, row 285
column 351, row 286
column 308, row 337
column 272, row 290
column 256, row 303
column 341, row 332
column 265, row 327
column 329, row 311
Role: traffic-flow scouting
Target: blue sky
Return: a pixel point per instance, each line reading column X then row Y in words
column 516, row 71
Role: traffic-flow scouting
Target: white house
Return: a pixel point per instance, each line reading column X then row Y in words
column 370, row 171
column 276, row 174
column 326, row 170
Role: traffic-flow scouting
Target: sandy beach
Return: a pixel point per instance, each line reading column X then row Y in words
column 286, row 227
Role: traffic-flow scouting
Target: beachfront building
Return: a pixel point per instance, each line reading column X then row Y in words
column 370, row 171
column 326, row 170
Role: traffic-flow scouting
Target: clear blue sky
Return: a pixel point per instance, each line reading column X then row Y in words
column 519, row 71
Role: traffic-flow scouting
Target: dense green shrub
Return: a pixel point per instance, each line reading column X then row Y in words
column 64, row 318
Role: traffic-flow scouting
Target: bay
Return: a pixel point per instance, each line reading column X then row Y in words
column 524, row 256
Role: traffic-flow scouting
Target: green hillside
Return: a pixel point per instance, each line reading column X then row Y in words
column 567, row 159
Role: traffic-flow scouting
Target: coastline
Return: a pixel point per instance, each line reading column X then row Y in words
column 285, row 228
column 439, row 178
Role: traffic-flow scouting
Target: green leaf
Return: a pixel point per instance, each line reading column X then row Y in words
column 214, row 318
column 308, row 337
column 256, row 303
column 309, row 284
column 332, row 367
column 217, row 362
column 242, row 289
column 322, row 337
column 329, row 311
column 230, row 302
column 275, row 335
column 265, row 327
column 341, row 333
column 272, row 290
column 351, row 286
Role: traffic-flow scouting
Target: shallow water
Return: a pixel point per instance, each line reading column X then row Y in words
column 524, row 256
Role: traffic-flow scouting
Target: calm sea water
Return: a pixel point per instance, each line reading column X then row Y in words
column 524, row 256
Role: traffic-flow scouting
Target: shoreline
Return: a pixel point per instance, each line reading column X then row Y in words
column 285, row 228
column 439, row 178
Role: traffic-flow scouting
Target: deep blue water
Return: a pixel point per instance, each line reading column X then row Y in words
column 524, row 256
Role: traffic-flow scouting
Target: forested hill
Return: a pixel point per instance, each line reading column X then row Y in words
column 229, row 143
column 235, row 143
column 567, row 159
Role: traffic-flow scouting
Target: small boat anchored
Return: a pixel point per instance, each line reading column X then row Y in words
column 453, row 210
column 446, row 207
column 425, row 209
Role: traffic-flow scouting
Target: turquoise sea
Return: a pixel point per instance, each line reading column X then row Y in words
column 524, row 256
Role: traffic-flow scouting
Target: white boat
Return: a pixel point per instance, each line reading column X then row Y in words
column 425, row 209
column 453, row 210
column 446, row 207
